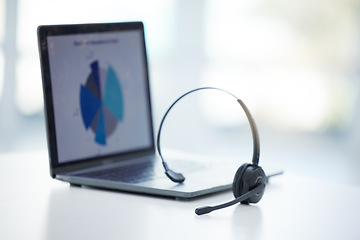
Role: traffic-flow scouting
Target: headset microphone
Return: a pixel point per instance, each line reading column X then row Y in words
column 258, row 190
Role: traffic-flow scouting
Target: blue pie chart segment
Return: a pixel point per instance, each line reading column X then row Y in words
column 100, row 136
column 89, row 105
column 113, row 98
column 95, row 74
column 101, row 109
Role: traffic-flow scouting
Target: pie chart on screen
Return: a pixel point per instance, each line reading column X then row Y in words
column 101, row 102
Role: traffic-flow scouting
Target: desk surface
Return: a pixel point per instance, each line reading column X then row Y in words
column 34, row 206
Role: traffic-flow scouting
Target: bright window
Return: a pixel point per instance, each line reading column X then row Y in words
column 295, row 62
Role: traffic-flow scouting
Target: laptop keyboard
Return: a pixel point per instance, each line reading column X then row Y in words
column 130, row 174
column 140, row 172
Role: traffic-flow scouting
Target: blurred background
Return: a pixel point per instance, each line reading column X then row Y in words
column 294, row 63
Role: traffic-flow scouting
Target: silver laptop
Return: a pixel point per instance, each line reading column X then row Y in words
column 98, row 114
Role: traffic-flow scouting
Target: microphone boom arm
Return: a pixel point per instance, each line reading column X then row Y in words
column 208, row 209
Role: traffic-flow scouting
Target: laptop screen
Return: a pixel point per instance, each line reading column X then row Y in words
column 96, row 90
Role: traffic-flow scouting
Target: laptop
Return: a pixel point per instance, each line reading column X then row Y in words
column 98, row 114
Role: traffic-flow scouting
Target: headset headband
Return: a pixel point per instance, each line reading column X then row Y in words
column 256, row 143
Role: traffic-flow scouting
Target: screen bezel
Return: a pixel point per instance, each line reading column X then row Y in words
column 55, row 30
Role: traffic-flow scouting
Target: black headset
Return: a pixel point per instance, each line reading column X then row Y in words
column 250, row 179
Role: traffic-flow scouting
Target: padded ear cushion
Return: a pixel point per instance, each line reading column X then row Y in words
column 247, row 178
column 238, row 180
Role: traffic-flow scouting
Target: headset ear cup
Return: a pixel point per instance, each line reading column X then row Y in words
column 238, row 180
column 247, row 178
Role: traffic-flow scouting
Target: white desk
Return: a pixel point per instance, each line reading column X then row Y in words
column 33, row 206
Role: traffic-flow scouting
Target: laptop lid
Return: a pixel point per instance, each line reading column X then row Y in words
column 96, row 94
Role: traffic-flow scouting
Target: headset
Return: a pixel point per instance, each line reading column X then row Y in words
column 249, row 180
